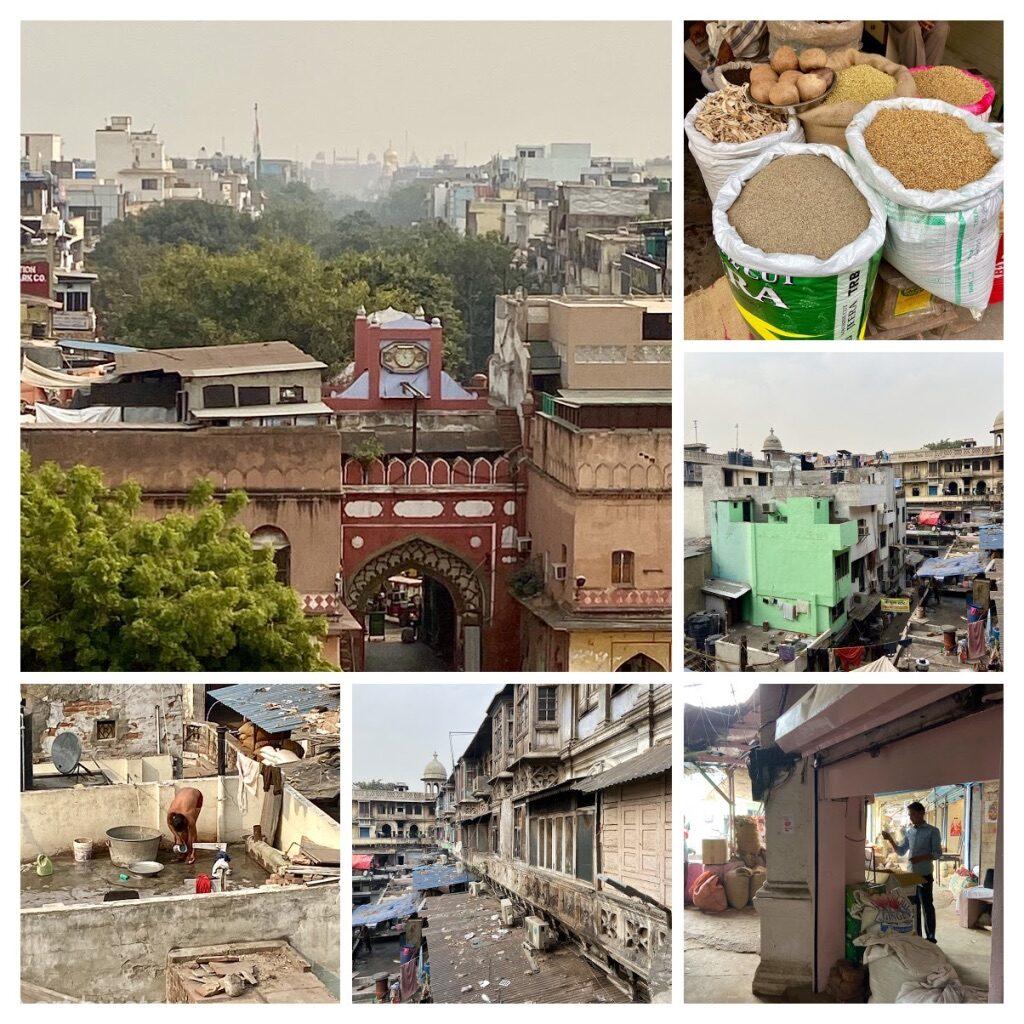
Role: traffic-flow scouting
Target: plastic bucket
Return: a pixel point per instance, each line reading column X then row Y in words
column 83, row 850
column 131, row 843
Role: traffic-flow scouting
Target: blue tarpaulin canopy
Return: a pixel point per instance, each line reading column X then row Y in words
column 277, row 707
column 436, row 876
column 990, row 538
column 387, row 910
column 945, row 568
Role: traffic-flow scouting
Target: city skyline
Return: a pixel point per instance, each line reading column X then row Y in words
column 796, row 395
column 450, row 110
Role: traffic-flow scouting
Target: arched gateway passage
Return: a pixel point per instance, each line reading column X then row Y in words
column 453, row 608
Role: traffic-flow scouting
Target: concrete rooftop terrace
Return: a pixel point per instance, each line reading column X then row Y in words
column 495, row 955
column 74, row 884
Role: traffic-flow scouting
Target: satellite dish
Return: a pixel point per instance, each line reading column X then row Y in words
column 66, row 753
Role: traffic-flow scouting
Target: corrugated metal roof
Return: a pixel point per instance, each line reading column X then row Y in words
column 650, row 762
column 436, row 876
column 725, row 588
column 387, row 910
column 277, row 707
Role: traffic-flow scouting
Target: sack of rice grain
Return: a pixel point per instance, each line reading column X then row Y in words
column 717, row 161
column 737, row 887
column 943, row 227
column 826, row 35
column 827, row 122
column 810, row 272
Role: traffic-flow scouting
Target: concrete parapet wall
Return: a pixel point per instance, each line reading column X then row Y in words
column 52, row 819
column 117, row 952
column 301, row 817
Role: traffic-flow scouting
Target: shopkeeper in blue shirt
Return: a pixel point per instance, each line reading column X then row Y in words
column 922, row 846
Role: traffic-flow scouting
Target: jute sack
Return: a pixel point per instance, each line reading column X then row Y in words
column 737, row 887
column 757, row 879
column 746, row 835
column 827, row 123
column 827, row 36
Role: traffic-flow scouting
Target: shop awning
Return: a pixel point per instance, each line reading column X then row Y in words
column 437, row 876
column 725, row 588
column 651, row 762
column 950, row 568
column 387, row 910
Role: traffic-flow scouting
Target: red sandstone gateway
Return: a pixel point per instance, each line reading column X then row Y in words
column 439, row 499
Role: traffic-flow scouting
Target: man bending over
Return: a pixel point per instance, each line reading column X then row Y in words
column 182, row 816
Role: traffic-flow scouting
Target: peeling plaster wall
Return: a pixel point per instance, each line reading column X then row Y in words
column 301, row 817
column 140, row 729
column 50, row 820
column 117, row 952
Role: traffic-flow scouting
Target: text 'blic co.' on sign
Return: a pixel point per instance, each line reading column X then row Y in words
column 35, row 278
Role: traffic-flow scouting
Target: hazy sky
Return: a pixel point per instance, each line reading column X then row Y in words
column 470, row 88
column 864, row 402
column 396, row 728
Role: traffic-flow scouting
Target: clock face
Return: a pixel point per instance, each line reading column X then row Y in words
column 403, row 357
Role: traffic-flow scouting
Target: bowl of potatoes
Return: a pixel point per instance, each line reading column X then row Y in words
column 791, row 80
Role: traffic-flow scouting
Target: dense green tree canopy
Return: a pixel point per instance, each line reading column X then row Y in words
column 196, row 274
column 104, row 589
column 281, row 290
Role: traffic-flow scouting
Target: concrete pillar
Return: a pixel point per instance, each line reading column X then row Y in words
column 785, row 904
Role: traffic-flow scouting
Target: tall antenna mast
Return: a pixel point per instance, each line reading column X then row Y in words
column 257, row 153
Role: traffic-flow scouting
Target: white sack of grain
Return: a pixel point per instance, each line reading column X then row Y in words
column 720, row 160
column 945, row 241
column 794, row 295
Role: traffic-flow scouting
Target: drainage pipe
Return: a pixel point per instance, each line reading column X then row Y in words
column 27, row 775
column 159, row 729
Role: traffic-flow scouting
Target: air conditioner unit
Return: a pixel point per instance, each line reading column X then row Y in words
column 538, row 934
column 476, row 888
column 524, row 544
column 558, row 570
column 507, row 912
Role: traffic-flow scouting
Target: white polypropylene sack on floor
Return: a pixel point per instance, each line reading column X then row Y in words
column 718, row 161
column 944, row 241
column 896, row 960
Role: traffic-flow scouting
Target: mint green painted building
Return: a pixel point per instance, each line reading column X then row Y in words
column 795, row 558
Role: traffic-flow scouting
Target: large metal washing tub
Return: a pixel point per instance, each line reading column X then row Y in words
column 131, row 843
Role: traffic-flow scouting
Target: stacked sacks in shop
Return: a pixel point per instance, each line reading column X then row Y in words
column 737, row 879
